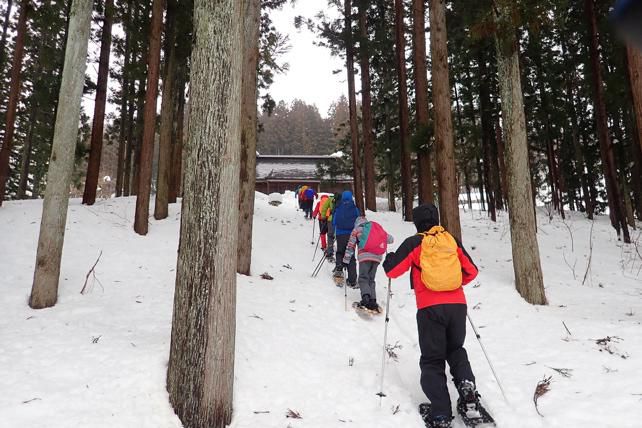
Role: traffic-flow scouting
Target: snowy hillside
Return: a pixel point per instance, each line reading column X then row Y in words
column 99, row 359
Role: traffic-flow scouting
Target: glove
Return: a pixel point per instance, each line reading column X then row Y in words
column 345, row 265
column 388, row 263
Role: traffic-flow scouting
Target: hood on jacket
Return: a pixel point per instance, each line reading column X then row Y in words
column 346, row 196
column 425, row 217
column 360, row 220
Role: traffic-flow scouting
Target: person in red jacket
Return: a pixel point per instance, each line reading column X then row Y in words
column 441, row 321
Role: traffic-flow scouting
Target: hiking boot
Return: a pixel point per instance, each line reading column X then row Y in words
column 365, row 300
column 468, row 401
column 441, row 422
column 352, row 285
column 373, row 306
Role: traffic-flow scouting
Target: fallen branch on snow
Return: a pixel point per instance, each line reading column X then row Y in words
column 92, row 271
column 543, row 386
column 293, row 414
column 564, row 372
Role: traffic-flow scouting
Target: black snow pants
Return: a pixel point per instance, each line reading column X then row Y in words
column 442, row 331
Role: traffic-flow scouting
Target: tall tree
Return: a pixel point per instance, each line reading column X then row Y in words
column 93, row 165
column 444, row 141
column 424, row 163
column 14, row 95
column 44, row 292
column 407, row 194
column 366, row 108
column 526, row 261
column 5, row 28
column 352, row 97
column 201, row 370
column 615, row 201
column 161, row 204
column 249, row 127
column 124, row 102
column 635, row 75
column 149, row 116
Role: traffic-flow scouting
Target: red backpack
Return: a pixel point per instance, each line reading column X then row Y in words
column 374, row 239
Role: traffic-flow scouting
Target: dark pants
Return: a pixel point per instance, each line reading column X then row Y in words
column 442, row 330
column 342, row 243
column 330, row 249
column 307, row 207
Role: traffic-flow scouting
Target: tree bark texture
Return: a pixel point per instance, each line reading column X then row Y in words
column 124, row 104
column 635, row 74
column 352, row 97
column 161, row 203
column 201, row 364
column 407, row 194
column 615, row 201
column 526, row 261
column 14, row 95
column 366, row 110
column 5, row 28
column 93, row 165
column 26, row 153
column 444, row 142
column 177, row 147
column 424, row 170
column 141, row 224
column 249, row 127
column 44, row 292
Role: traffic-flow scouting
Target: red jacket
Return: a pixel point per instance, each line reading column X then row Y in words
column 407, row 257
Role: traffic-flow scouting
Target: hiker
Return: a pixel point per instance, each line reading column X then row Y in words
column 309, row 195
column 345, row 215
column 329, row 206
column 301, row 197
column 322, row 215
column 439, row 267
column 372, row 241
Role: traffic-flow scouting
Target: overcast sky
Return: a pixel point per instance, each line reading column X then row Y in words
column 310, row 76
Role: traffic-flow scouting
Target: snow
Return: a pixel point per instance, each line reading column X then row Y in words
column 338, row 154
column 100, row 359
column 275, row 198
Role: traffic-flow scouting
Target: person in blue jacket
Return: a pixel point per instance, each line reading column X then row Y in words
column 343, row 220
column 308, row 199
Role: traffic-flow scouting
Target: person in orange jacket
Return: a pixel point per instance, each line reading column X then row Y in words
column 323, row 220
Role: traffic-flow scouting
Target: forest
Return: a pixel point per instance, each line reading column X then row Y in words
column 511, row 105
column 300, row 129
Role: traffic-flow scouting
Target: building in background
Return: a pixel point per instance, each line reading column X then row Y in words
column 276, row 173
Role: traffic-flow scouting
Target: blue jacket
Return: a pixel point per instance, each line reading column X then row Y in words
column 310, row 194
column 347, row 208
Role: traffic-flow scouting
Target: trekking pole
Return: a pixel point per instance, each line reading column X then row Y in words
column 385, row 342
column 316, row 248
column 492, row 369
column 345, row 294
column 318, row 268
column 314, row 225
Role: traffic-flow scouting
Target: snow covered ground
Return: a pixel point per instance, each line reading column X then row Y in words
column 99, row 359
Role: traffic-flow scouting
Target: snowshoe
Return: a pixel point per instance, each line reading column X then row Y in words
column 339, row 278
column 366, row 312
column 470, row 409
column 439, row 422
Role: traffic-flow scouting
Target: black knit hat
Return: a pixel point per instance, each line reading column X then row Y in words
column 425, row 217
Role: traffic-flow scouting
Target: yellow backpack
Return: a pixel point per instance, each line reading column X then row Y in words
column 439, row 262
